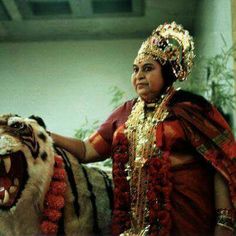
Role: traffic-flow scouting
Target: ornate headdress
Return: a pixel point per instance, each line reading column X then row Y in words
column 170, row 42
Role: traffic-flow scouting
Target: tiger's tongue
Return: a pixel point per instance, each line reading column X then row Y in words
column 11, row 175
column 8, row 192
column 5, row 184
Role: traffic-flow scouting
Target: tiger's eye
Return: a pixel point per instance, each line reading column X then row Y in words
column 17, row 125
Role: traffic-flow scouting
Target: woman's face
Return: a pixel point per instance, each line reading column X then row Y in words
column 147, row 78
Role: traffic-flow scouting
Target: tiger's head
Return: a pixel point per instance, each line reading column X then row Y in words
column 26, row 161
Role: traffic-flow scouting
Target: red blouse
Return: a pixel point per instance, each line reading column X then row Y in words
column 174, row 136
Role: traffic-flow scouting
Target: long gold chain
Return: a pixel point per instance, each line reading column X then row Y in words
column 140, row 129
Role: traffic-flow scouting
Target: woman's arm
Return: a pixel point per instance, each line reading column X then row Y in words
column 82, row 150
column 224, row 207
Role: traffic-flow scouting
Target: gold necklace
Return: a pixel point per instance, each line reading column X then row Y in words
column 140, row 129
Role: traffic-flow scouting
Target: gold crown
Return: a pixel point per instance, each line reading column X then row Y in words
column 170, row 42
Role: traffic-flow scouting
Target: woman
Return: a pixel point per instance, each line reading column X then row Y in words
column 173, row 153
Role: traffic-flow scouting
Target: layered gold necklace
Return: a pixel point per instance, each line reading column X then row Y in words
column 140, row 129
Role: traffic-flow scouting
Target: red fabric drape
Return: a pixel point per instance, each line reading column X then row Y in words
column 195, row 129
column 210, row 135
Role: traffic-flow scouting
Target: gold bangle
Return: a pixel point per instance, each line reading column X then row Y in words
column 225, row 226
column 226, row 212
column 225, row 217
column 83, row 150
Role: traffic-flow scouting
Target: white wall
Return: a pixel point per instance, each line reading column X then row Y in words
column 213, row 32
column 213, row 21
column 64, row 82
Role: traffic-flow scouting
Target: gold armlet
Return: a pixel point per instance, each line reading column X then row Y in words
column 83, row 150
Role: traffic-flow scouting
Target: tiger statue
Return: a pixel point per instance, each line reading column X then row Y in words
column 27, row 169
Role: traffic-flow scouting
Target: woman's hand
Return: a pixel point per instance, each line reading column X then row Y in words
column 224, row 207
column 82, row 150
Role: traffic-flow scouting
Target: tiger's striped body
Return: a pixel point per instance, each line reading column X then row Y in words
column 26, row 168
column 94, row 191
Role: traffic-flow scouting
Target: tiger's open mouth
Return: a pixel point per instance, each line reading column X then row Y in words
column 13, row 176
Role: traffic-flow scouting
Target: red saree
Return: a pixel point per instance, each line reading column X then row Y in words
column 189, row 128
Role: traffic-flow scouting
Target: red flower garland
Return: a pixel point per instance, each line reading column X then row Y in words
column 54, row 200
column 121, row 217
column 158, row 193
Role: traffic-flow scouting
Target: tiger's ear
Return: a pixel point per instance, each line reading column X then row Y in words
column 39, row 120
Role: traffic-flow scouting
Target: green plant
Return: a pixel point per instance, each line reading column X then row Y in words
column 117, row 96
column 216, row 80
column 86, row 129
column 220, row 79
